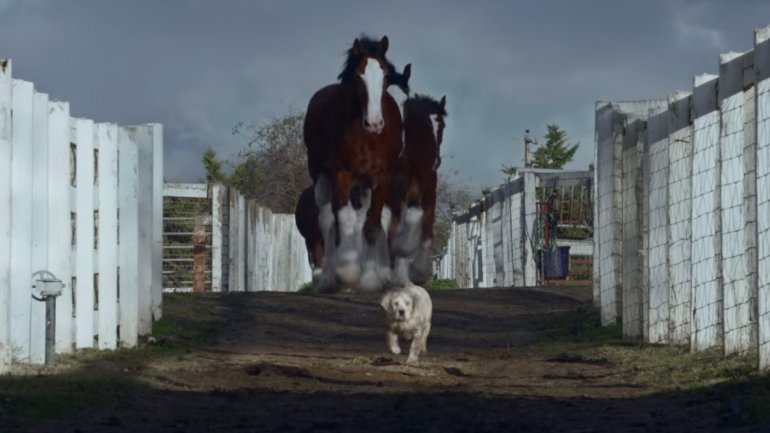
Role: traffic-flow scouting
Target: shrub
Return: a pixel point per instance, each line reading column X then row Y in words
column 442, row 285
column 306, row 288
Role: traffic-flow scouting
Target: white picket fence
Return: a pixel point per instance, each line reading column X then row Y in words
column 491, row 245
column 252, row 249
column 684, row 198
column 82, row 201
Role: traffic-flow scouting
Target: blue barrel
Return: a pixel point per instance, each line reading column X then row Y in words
column 556, row 265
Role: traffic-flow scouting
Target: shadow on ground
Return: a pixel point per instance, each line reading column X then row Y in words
column 499, row 360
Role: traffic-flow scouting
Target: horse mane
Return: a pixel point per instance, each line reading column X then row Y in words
column 424, row 104
column 371, row 47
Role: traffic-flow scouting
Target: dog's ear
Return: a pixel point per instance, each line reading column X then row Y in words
column 385, row 301
column 415, row 300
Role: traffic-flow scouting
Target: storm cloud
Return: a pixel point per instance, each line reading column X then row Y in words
column 201, row 66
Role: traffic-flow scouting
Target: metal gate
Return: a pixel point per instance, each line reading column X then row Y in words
column 186, row 238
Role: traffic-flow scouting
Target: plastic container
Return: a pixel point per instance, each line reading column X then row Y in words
column 556, row 268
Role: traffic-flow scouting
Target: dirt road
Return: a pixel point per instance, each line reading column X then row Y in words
column 287, row 362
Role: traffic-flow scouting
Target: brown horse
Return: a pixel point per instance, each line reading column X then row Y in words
column 307, row 213
column 352, row 132
column 418, row 180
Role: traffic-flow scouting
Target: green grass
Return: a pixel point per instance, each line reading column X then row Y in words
column 92, row 379
column 306, row 288
column 579, row 334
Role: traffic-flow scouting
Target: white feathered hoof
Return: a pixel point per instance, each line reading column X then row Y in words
column 408, row 236
column 347, row 267
column 420, row 271
column 326, row 284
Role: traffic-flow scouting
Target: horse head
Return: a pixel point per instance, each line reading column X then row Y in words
column 367, row 69
column 401, row 80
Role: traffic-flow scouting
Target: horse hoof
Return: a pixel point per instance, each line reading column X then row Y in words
column 348, row 268
column 326, row 286
column 419, row 273
column 370, row 282
column 347, row 220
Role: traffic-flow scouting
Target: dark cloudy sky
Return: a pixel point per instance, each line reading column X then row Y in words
column 200, row 66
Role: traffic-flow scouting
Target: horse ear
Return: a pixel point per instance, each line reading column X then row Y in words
column 358, row 47
column 443, row 101
column 384, row 44
column 407, row 71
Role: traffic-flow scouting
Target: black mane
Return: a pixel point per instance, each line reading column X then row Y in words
column 371, row 46
column 424, row 104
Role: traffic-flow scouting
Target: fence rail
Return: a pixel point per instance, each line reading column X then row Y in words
column 92, row 222
column 684, row 191
column 499, row 242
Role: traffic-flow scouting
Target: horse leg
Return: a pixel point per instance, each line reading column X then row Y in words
column 376, row 264
column 408, row 236
column 347, row 264
column 317, row 257
column 326, row 282
column 420, row 270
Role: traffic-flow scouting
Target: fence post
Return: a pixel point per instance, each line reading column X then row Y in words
column 199, row 251
column 631, row 300
column 155, row 132
column 762, row 131
column 602, row 138
column 217, row 211
column 530, row 217
column 5, row 217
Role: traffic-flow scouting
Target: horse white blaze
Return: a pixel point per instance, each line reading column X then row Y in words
column 374, row 78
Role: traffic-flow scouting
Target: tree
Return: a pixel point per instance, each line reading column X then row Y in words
column 555, row 153
column 509, row 170
column 273, row 167
column 591, row 167
column 213, row 167
column 451, row 197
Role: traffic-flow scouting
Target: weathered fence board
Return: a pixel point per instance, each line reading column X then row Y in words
column 705, row 219
column 39, row 221
column 106, row 135
column 21, row 210
column 60, row 220
column 128, row 234
column 679, row 216
column 83, row 130
column 6, row 141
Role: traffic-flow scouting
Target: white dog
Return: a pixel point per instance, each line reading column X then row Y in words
column 408, row 314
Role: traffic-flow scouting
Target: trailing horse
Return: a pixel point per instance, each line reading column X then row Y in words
column 418, row 179
column 352, row 132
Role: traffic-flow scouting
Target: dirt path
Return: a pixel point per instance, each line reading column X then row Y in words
column 288, row 362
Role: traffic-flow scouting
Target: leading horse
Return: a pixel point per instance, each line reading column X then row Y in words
column 306, row 214
column 353, row 135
